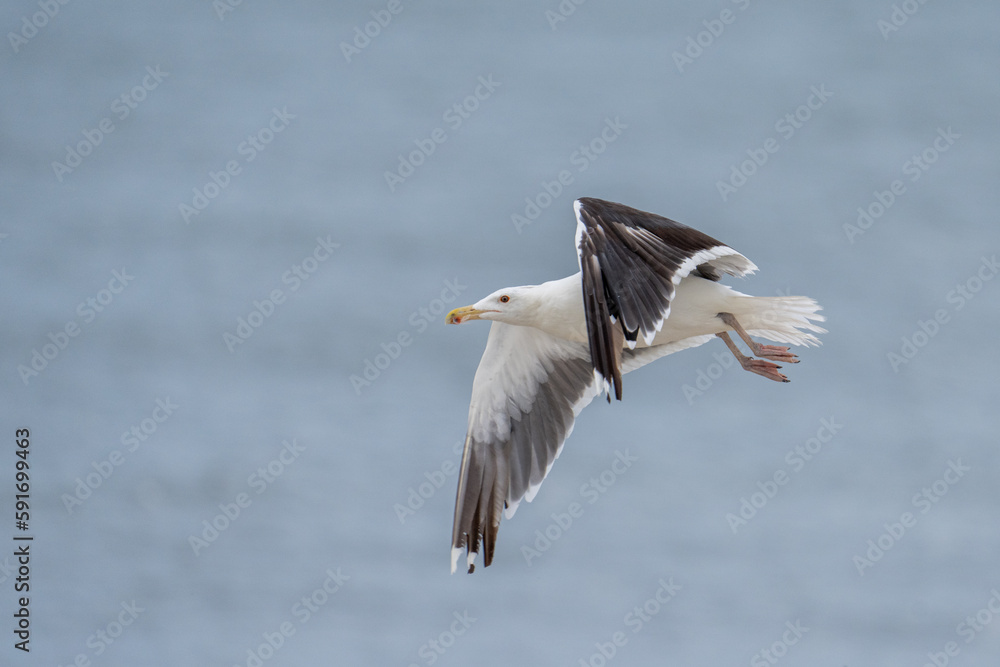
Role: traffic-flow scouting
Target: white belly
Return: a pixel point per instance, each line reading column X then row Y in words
column 694, row 311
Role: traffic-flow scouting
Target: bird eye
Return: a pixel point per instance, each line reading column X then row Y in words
column 504, row 299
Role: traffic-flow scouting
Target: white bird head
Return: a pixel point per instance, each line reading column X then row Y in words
column 512, row 305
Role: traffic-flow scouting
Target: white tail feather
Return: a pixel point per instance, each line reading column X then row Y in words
column 783, row 319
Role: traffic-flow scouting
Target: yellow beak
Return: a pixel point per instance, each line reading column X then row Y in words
column 463, row 314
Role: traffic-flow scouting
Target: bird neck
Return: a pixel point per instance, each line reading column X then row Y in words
column 561, row 309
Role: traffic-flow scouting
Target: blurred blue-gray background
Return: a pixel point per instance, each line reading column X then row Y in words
column 229, row 235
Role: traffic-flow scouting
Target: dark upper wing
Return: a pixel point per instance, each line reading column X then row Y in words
column 631, row 261
column 528, row 390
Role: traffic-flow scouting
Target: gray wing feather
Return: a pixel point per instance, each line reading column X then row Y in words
column 528, row 390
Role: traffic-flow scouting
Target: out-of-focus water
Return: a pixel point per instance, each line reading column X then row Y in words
column 296, row 229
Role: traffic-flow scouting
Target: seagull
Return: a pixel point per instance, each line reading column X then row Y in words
column 647, row 287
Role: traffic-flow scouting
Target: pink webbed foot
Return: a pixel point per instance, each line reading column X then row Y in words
column 775, row 353
column 758, row 366
column 762, row 368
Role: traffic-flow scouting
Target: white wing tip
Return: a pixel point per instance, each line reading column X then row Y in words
column 455, row 553
column 529, row 495
column 508, row 512
column 724, row 258
column 649, row 336
column 604, row 386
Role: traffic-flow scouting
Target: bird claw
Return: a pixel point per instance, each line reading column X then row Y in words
column 763, row 368
column 758, row 366
column 776, row 353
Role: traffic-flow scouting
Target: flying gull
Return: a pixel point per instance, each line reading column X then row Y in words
column 647, row 286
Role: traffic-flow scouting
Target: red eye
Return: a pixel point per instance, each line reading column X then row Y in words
column 504, row 299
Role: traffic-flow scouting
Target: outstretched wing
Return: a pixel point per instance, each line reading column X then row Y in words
column 527, row 392
column 631, row 261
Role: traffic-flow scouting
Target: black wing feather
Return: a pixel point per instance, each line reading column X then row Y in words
column 631, row 262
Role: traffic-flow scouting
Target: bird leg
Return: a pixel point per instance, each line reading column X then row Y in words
column 773, row 352
column 758, row 366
